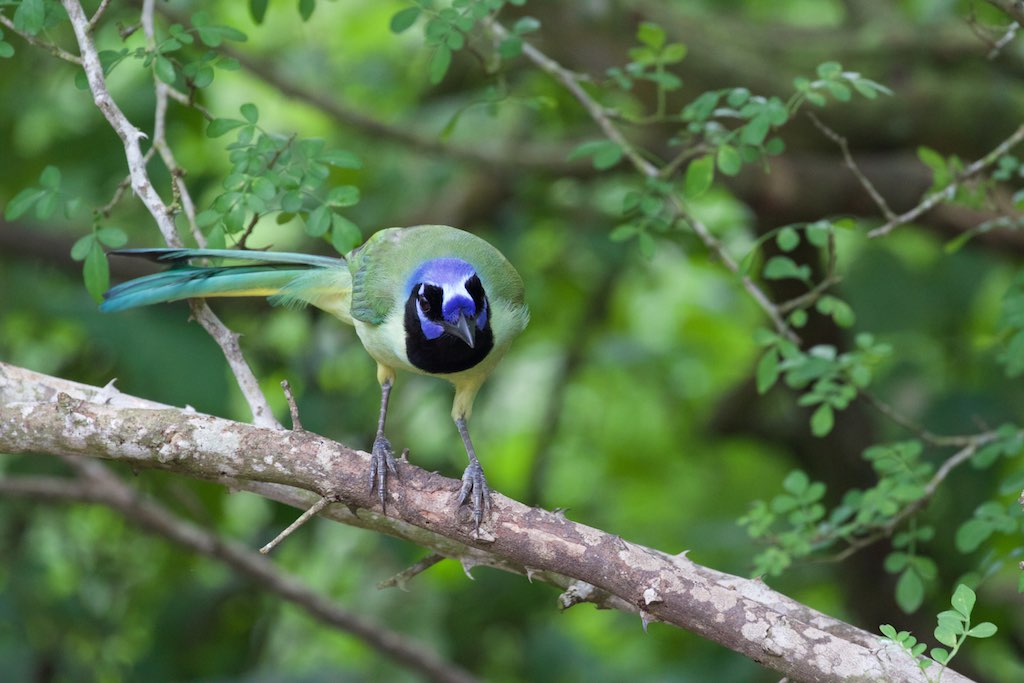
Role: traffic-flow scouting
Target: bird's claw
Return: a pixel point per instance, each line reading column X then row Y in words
column 382, row 461
column 476, row 492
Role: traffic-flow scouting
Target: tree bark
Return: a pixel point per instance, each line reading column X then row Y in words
column 46, row 415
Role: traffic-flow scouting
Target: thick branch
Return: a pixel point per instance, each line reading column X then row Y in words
column 99, row 485
column 742, row 614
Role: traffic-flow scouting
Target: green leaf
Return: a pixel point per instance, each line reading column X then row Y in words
column 22, row 202
column 291, row 201
column 203, row 77
column 50, row 178
column 96, row 272
column 345, row 235
column 896, row 562
column 264, row 188
column 82, row 246
column 6, row 49
column 972, row 534
column 963, row 600
column 403, row 20
column 343, row 195
column 439, row 63
column 604, row 153
column 650, row 34
column 909, row 591
column 937, row 163
column 767, row 371
column 219, row 127
column 306, row 8
column 888, row 631
column 112, row 237
column 754, row 132
column 215, row 238
column 788, row 239
column 783, row 267
column 796, row 482
column 729, row 160
column 30, row 16
column 985, row 629
column 165, row 70
column 525, row 25
column 318, row 221
column 258, row 10
column 945, row 635
column 699, row 176
column 940, row 655
column 511, row 47
column 47, row 204
column 840, row 92
column 249, row 112
column 623, row 232
column 822, row 420
column 829, row 70
column 340, row 158
column 208, row 217
column 647, row 245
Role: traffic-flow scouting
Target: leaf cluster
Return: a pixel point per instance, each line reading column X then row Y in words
column 953, row 630
column 286, row 176
column 448, row 27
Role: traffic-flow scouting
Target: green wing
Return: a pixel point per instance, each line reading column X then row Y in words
column 383, row 265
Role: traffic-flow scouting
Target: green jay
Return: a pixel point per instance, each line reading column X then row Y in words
column 429, row 299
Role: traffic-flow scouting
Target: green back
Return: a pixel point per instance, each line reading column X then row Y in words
column 382, row 266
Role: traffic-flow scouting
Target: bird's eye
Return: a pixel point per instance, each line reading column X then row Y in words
column 424, row 304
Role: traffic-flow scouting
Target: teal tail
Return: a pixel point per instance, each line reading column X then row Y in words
column 291, row 278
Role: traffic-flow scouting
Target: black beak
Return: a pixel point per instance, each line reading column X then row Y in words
column 464, row 328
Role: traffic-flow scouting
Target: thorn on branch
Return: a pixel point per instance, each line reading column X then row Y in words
column 401, row 579
column 303, row 518
column 293, row 408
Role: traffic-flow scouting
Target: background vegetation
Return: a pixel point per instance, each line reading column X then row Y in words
column 854, row 441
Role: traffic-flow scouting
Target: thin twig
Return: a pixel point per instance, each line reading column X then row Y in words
column 402, row 578
column 922, row 433
column 949, row 190
column 911, row 508
column 143, row 187
column 572, row 82
column 293, row 407
column 54, row 50
column 162, row 92
column 303, row 518
column 1006, row 39
column 1014, row 8
column 835, row 137
column 97, row 15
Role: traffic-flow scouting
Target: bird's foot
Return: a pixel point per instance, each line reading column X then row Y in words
column 382, row 461
column 475, row 492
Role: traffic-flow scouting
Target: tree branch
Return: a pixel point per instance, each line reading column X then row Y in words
column 96, row 484
column 933, row 199
column 40, row 414
column 131, row 136
column 571, row 82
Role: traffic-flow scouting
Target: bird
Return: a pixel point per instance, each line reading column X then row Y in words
column 428, row 299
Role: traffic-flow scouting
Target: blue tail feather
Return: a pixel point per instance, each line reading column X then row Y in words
column 173, row 255
column 264, row 273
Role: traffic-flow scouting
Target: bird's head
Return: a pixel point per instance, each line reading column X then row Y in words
column 447, row 316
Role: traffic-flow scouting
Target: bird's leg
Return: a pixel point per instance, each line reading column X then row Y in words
column 382, row 456
column 474, row 485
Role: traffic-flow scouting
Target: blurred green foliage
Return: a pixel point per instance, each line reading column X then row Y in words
column 648, row 396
